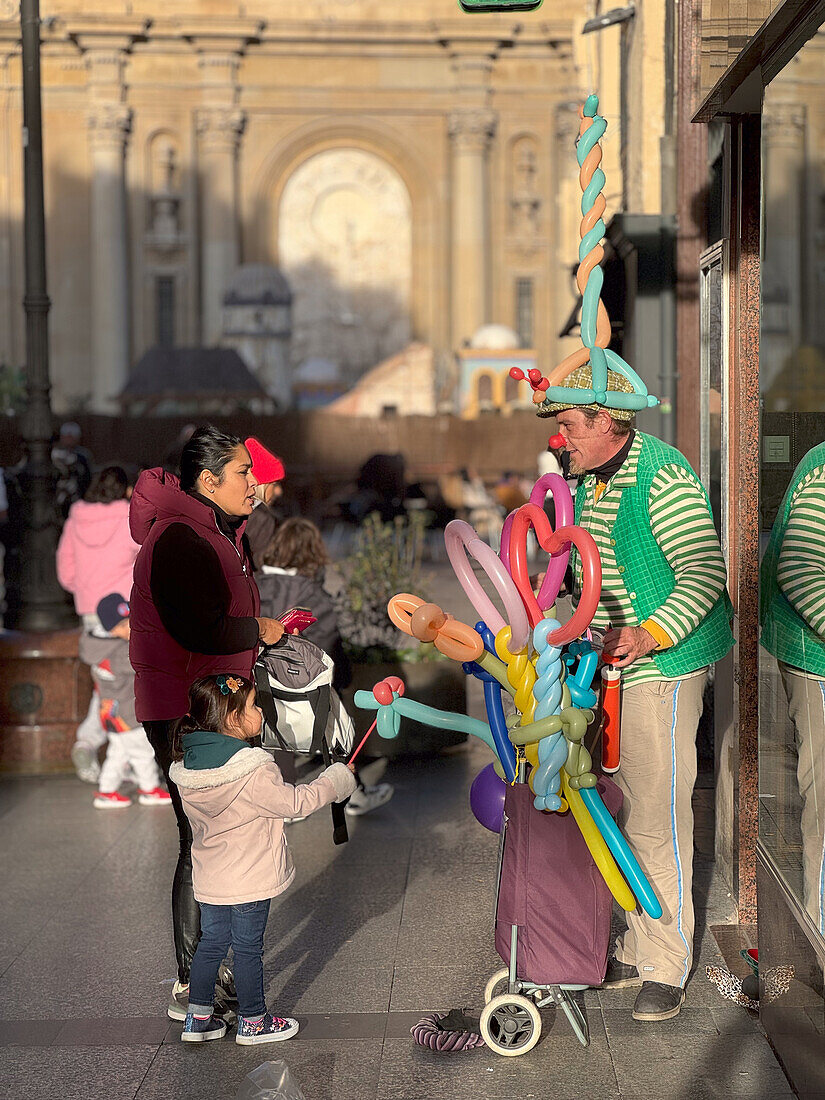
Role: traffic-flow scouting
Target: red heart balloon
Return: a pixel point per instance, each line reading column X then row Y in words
column 527, row 516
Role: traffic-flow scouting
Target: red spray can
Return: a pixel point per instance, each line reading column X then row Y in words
column 611, row 718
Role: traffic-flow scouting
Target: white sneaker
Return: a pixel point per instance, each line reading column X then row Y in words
column 370, row 798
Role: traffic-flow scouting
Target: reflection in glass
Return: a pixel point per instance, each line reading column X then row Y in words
column 793, row 631
column 792, row 484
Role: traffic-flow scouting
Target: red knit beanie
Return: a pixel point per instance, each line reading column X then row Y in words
column 266, row 467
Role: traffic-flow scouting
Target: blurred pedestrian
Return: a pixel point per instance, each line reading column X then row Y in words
column 95, row 556
column 482, row 510
column 74, row 466
column 510, row 492
column 292, row 575
column 106, row 651
column 270, row 510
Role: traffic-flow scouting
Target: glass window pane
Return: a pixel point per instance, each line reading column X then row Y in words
column 792, row 484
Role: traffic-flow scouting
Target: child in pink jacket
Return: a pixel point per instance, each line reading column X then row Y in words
column 95, row 556
column 236, row 801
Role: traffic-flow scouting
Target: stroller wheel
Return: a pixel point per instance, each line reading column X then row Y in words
column 510, row 1025
column 498, row 984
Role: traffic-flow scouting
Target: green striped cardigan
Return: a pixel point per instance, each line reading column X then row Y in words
column 793, row 571
column 693, row 608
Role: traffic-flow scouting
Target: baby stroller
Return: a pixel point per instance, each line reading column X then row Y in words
column 553, row 914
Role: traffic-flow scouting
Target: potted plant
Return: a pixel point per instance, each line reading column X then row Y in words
column 385, row 560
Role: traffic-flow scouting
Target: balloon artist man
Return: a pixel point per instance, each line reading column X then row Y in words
column 663, row 605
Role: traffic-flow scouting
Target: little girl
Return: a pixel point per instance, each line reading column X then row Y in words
column 236, row 801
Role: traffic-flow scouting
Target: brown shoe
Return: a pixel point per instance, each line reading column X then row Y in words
column 620, row 976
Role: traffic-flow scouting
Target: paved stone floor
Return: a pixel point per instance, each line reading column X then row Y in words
column 373, row 934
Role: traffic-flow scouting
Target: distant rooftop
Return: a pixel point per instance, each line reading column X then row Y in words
column 257, row 285
column 191, row 373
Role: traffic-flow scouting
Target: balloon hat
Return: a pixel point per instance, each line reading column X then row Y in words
column 594, row 376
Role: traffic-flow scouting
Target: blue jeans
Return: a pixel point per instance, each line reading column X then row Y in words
column 241, row 927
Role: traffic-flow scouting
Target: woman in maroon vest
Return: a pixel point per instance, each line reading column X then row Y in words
column 194, row 613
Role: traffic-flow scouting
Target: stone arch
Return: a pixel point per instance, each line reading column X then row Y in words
column 345, row 245
column 487, row 389
column 376, row 137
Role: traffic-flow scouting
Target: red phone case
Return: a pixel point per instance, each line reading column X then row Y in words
column 297, row 618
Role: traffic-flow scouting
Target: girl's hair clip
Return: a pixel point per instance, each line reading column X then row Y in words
column 229, row 684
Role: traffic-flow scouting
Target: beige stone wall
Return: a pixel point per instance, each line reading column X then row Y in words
column 209, row 107
column 727, row 27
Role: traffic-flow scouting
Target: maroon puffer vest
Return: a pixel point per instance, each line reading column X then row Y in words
column 163, row 668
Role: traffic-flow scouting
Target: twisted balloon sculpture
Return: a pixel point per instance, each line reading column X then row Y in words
column 595, row 322
column 545, row 780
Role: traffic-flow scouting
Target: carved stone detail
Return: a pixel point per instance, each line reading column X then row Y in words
column 109, row 125
column 472, row 129
column 220, row 128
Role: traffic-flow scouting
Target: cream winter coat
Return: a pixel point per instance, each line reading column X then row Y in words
column 239, row 851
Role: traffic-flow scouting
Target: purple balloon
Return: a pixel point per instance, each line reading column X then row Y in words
column 487, row 799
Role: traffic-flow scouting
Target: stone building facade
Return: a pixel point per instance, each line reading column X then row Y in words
column 409, row 169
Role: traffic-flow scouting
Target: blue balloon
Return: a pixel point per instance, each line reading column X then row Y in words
column 628, row 864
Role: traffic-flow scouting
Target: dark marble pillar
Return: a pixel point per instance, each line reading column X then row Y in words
column 44, row 695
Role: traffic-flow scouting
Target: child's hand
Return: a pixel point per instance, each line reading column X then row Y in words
column 342, row 779
column 351, row 768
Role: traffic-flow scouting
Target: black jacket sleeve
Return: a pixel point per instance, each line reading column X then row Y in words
column 191, row 595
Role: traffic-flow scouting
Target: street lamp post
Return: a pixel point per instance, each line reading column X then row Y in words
column 35, row 601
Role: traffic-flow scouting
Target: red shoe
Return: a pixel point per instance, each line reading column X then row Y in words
column 111, row 800
column 156, row 797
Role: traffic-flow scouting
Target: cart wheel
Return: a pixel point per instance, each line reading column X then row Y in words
column 510, row 1025
column 498, row 984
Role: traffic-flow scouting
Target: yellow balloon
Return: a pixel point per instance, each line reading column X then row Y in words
column 531, row 751
column 520, row 673
column 598, row 848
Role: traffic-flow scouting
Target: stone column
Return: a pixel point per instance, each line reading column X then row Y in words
column 108, row 131
column 471, row 131
column 219, row 132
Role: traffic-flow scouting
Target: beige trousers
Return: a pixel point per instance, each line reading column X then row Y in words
column 806, row 706
column 657, row 775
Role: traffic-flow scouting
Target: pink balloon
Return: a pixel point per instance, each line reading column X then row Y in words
column 504, row 549
column 563, row 503
column 461, row 539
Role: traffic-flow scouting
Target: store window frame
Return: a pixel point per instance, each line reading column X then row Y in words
column 714, row 335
